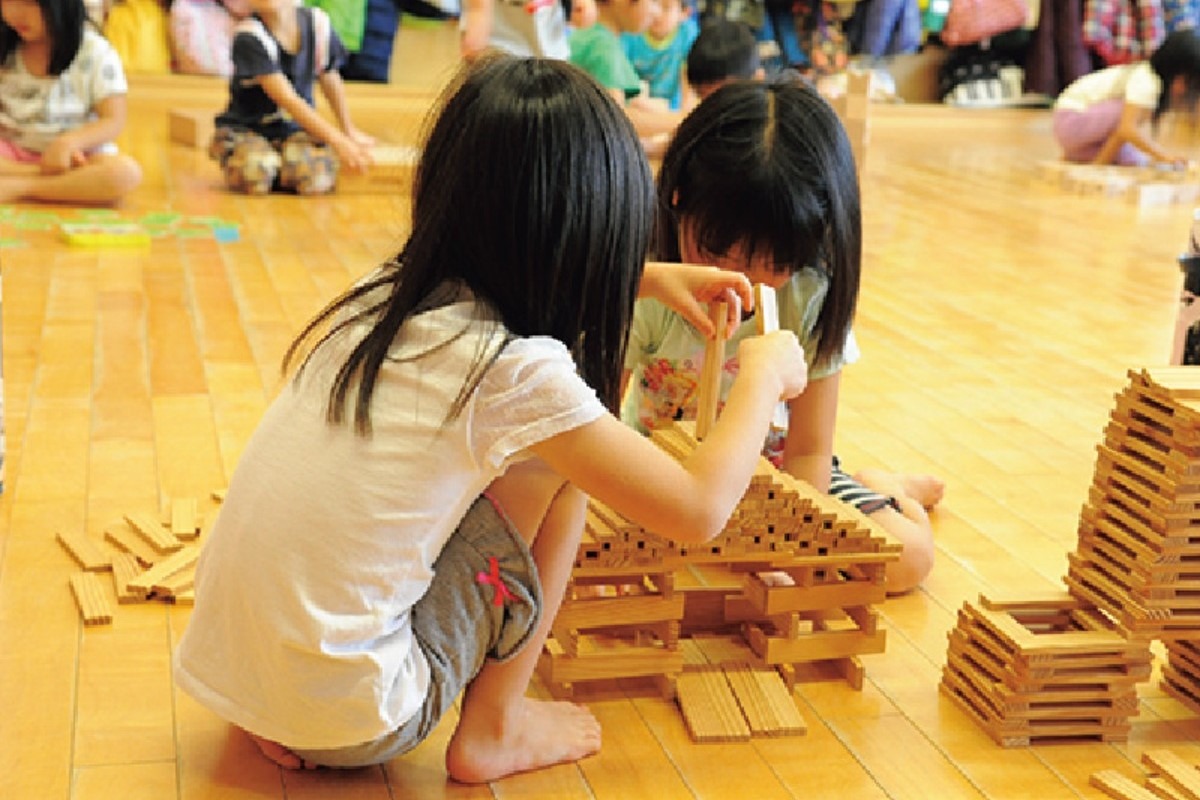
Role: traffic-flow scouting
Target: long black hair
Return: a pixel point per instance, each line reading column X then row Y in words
column 768, row 165
column 532, row 192
column 65, row 21
column 1178, row 55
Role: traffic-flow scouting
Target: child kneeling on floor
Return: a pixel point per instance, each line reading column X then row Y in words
column 270, row 135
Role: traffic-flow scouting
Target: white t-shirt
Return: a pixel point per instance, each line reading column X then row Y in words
column 326, row 538
column 35, row 110
column 1137, row 84
column 530, row 29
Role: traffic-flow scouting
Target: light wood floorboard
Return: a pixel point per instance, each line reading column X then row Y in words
column 998, row 317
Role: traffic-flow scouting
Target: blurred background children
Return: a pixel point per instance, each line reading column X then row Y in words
column 659, row 53
column 723, row 51
column 270, row 135
column 62, row 103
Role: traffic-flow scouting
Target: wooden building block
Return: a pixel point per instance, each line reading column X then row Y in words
column 125, row 568
column 1162, row 789
column 391, row 173
column 190, row 126
column 708, row 393
column 88, row 552
column 185, row 517
column 709, row 707
column 177, row 585
column 1117, row 786
column 765, row 702
column 153, row 531
column 180, row 560
column 90, row 595
column 766, row 314
column 123, row 536
column 1182, row 776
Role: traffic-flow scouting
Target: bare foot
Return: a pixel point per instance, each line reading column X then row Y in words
column 279, row 754
column 925, row 489
column 541, row 734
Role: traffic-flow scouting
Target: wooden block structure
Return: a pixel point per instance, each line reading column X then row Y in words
column 1044, row 669
column 192, row 127
column 393, row 171
column 824, row 572
column 1141, row 186
column 853, row 108
column 1138, row 536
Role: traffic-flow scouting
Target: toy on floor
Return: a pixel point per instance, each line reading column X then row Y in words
column 1141, row 186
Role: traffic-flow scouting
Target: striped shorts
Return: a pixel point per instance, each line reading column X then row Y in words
column 848, row 490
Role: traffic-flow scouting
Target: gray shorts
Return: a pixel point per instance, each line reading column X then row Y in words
column 459, row 623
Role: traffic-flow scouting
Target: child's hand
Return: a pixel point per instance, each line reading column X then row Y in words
column 62, row 155
column 686, row 288
column 780, row 353
column 352, row 155
column 360, row 137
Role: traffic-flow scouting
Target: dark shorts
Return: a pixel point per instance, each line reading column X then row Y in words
column 458, row 625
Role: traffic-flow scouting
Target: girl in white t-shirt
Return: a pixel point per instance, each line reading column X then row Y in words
column 355, row 581
column 62, row 103
column 1108, row 116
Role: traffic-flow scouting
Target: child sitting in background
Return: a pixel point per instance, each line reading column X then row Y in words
column 724, row 50
column 597, row 50
column 658, row 54
column 1101, row 118
column 760, row 179
column 419, row 482
column 62, row 103
column 270, row 134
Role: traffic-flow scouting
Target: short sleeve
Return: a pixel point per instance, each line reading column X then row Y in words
column 250, row 57
column 530, row 393
column 1143, row 87
column 645, row 332
column 107, row 74
column 338, row 54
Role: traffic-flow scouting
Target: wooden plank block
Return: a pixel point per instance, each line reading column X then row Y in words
column 708, row 393
column 1162, row 789
column 766, row 315
column 88, row 552
column 94, row 604
column 391, row 173
column 185, row 517
column 125, row 568
column 709, row 708
column 152, row 530
column 1116, row 785
column 1183, row 776
column 190, row 126
column 124, row 538
column 766, row 703
column 178, row 585
column 180, row 560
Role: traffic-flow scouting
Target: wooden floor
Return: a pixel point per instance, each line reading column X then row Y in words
column 998, row 317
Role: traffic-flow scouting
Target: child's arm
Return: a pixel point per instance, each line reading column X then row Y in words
column 647, row 121
column 689, row 501
column 71, row 147
column 334, row 91
column 685, row 288
column 476, row 28
column 280, row 90
column 1131, row 129
column 812, row 415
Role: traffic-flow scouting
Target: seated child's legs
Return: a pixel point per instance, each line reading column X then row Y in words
column 903, row 515
column 1081, row 134
column 458, row 624
column 308, row 167
column 249, row 162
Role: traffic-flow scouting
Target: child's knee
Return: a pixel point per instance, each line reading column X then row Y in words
column 308, row 167
column 914, row 565
column 249, row 162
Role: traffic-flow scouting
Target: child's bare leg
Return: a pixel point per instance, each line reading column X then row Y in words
column 102, row 181
column 910, row 525
column 279, row 754
column 500, row 730
column 19, row 167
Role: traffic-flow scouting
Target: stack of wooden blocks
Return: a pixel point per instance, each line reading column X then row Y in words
column 853, row 107
column 1044, row 669
column 792, row 580
column 1132, row 575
